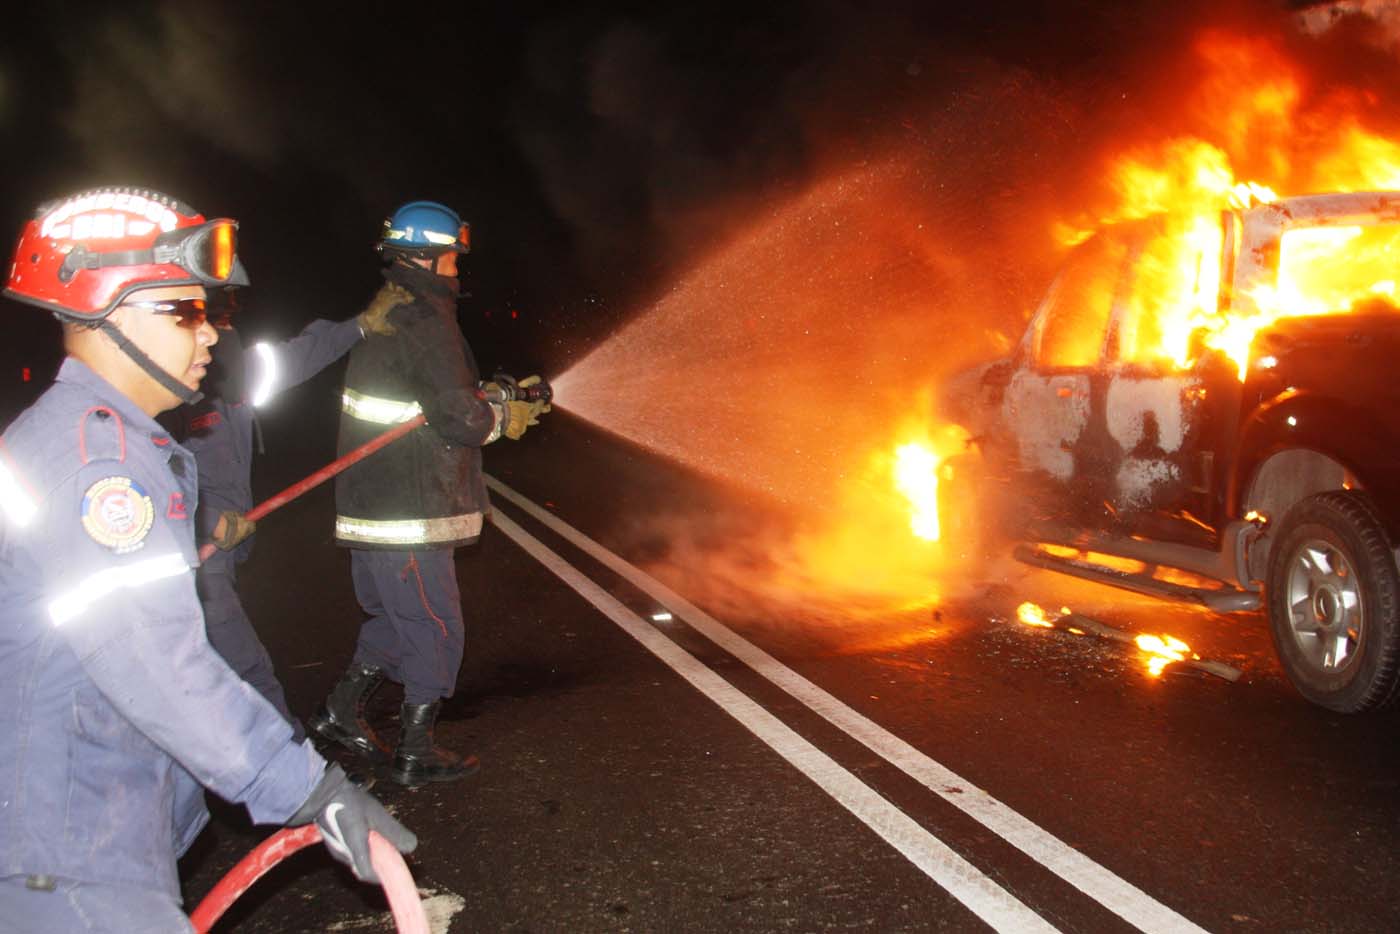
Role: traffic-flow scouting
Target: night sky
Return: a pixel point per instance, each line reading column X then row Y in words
column 598, row 149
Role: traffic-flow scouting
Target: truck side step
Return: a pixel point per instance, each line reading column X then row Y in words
column 1224, row 600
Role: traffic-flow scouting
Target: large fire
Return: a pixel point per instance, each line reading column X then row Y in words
column 1256, row 108
column 1253, row 107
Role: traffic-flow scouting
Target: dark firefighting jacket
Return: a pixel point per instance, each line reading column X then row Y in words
column 424, row 490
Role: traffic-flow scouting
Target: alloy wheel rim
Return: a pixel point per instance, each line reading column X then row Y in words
column 1326, row 612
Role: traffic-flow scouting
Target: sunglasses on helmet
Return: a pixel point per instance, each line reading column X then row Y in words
column 191, row 312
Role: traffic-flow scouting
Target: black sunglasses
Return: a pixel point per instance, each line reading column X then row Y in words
column 192, row 312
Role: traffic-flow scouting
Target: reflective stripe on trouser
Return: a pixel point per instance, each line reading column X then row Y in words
column 405, row 533
column 232, row 635
column 377, row 409
column 414, row 631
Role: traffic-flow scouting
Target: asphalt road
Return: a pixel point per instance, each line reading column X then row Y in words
column 944, row 768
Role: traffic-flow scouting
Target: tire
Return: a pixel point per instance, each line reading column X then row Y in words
column 1334, row 603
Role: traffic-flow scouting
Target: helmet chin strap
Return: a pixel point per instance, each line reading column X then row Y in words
column 138, row 356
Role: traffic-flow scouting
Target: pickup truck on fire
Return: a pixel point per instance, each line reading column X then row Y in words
column 1208, row 408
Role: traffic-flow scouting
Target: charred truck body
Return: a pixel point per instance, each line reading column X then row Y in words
column 1212, row 413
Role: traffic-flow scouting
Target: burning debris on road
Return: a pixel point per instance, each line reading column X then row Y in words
column 1159, row 651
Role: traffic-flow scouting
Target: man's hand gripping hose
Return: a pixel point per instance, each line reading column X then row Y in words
column 522, row 402
column 386, row 866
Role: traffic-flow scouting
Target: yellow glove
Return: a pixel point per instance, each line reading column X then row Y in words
column 519, row 416
column 375, row 318
column 232, row 529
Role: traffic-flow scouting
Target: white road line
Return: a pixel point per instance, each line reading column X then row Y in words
column 1116, row 894
column 983, row 897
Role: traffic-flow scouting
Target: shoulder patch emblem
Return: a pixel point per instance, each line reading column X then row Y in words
column 118, row 514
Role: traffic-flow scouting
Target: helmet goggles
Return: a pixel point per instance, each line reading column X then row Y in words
column 208, row 253
column 82, row 256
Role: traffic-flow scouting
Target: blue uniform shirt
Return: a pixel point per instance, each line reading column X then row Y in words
column 113, row 707
column 219, row 431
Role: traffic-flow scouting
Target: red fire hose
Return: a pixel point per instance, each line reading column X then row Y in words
column 394, row 876
column 321, row 476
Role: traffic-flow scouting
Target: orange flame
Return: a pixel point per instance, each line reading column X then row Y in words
column 916, row 476
column 1033, row 615
column 1255, row 107
column 915, row 469
column 1162, row 651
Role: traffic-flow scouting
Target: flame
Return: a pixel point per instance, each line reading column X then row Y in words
column 881, row 541
column 916, row 476
column 916, row 470
column 1256, row 107
column 1162, row 651
column 1033, row 614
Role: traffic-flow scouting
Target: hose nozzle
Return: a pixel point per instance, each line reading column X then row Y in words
column 506, row 388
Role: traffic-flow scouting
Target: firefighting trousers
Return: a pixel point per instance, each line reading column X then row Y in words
column 36, row 904
column 232, row 635
column 414, row 631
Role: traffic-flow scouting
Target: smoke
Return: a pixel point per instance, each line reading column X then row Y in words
column 182, row 65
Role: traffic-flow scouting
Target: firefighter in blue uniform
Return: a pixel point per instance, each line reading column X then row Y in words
column 219, row 431
column 404, row 511
column 114, row 709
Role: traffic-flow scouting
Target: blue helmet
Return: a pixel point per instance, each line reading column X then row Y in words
column 424, row 228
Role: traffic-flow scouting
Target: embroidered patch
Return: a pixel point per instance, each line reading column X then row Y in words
column 177, row 507
column 118, row 514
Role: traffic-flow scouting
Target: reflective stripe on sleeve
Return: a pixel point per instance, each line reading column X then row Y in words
column 408, row 531
column 101, row 584
column 377, row 410
column 268, row 384
column 14, row 499
column 498, row 421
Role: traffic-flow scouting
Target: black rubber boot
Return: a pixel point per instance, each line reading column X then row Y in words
column 418, row 760
column 341, row 718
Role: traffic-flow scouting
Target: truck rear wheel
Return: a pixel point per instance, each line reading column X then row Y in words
column 1334, row 603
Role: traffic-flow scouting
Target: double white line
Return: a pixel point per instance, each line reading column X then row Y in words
column 989, row 901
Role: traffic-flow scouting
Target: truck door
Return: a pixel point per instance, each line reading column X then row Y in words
column 1161, row 391
column 1048, row 401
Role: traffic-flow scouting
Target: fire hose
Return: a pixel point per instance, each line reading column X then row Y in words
column 321, row 476
column 399, row 888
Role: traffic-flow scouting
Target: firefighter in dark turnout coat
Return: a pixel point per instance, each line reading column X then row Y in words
column 404, row 511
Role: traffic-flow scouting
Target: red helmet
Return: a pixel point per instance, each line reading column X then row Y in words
column 80, row 257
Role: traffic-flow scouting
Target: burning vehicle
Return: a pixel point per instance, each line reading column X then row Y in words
column 1207, row 408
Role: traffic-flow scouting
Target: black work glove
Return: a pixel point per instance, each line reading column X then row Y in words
column 346, row 813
